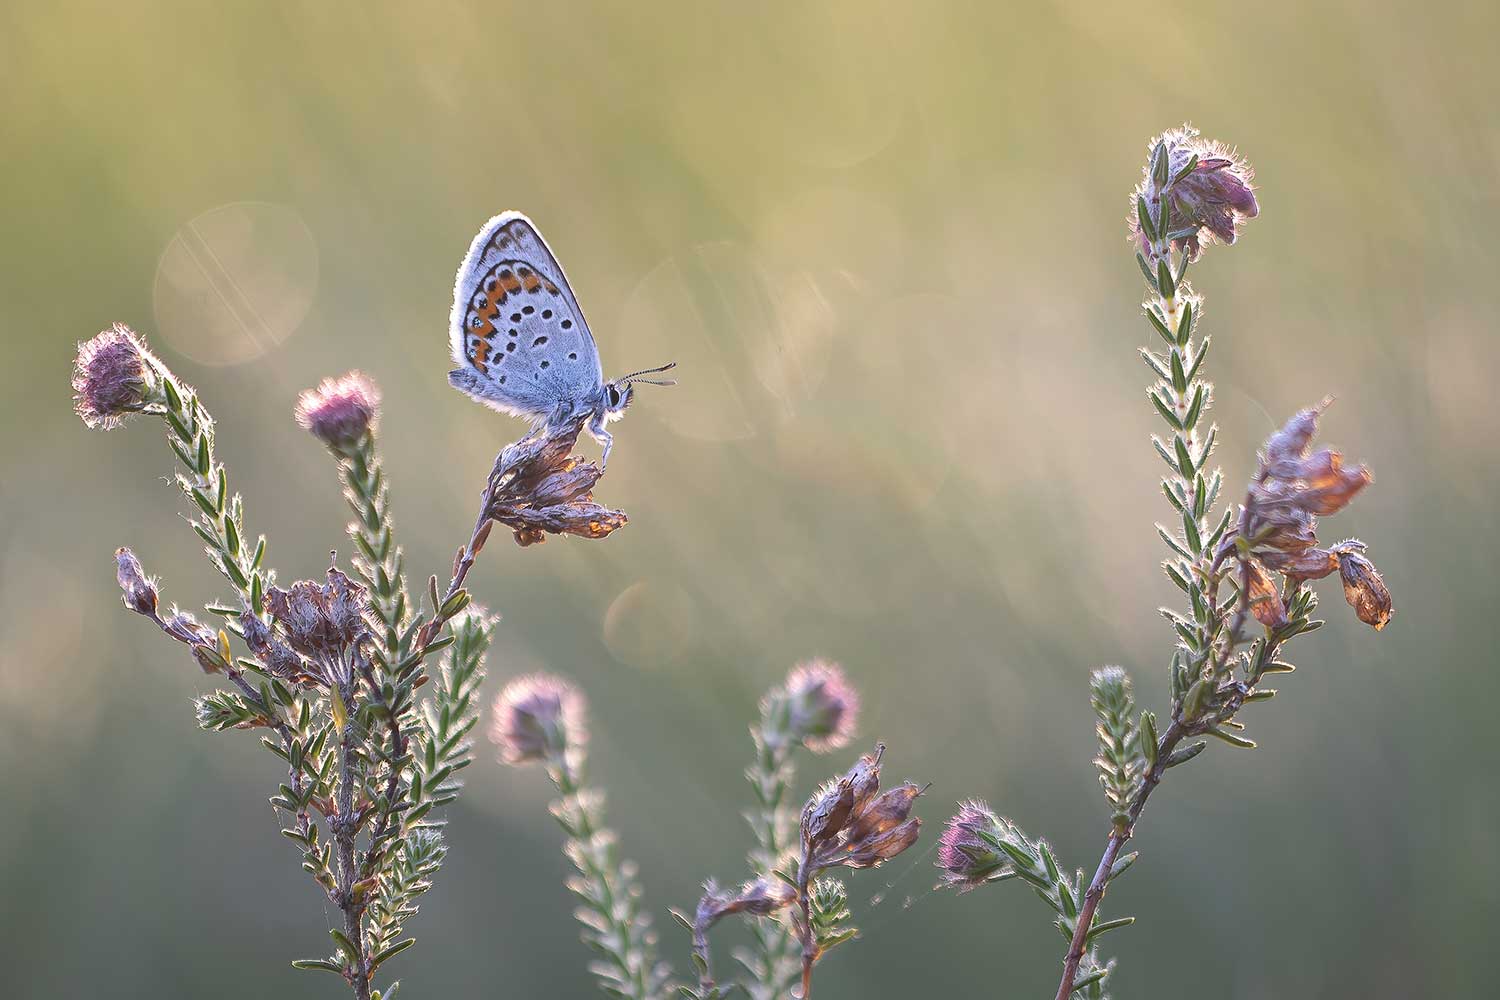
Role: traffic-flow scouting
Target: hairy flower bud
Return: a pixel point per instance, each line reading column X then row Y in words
column 822, row 707
column 340, row 411
column 110, row 377
column 967, row 854
column 759, row 898
column 1363, row 588
column 1203, row 185
column 137, row 590
column 185, row 628
column 537, row 717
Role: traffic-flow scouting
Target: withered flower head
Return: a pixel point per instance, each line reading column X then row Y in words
column 537, row 717
column 137, row 590
column 967, row 853
column 1363, row 588
column 847, row 822
column 541, row 488
column 185, row 628
column 340, row 411
column 321, row 621
column 110, row 375
column 822, row 706
column 759, row 898
column 278, row 657
column 1214, row 195
column 1294, row 487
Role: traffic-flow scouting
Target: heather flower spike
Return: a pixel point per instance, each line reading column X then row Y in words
column 538, row 718
column 113, row 378
column 340, row 411
column 1191, row 185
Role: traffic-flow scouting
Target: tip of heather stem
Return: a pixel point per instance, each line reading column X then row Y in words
column 538, row 717
column 1205, row 186
column 823, row 707
column 340, row 411
column 110, row 375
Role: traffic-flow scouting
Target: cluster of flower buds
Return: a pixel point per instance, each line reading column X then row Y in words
column 819, row 708
column 340, row 411
column 850, row 822
column 538, row 718
column 1294, row 487
column 323, row 623
column 539, row 487
column 969, row 851
column 112, row 377
column 1195, row 185
column 140, row 594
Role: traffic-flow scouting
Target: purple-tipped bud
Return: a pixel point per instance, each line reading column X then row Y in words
column 537, row 717
column 966, row 854
column 137, row 590
column 340, row 411
column 1215, row 194
column 110, row 376
column 822, row 706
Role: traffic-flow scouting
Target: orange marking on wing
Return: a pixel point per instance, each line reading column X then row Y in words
column 552, row 288
column 531, row 282
column 481, row 354
column 511, row 283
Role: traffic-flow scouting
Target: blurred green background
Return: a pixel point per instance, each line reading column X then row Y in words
column 886, row 244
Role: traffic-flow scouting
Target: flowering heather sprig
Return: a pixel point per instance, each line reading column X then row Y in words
column 1191, row 191
column 334, row 665
column 818, row 709
column 543, row 719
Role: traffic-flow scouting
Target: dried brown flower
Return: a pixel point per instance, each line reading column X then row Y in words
column 321, row 621
column 1265, row 601
column 848, row 823
column 539, row 488
column 758, row 898
column 1363, row 588
column 137, row 590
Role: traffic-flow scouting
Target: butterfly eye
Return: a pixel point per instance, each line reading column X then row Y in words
column 614, row 395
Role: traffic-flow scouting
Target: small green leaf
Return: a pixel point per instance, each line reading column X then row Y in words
column 392, row 952
column 1109, row 925
column 1231, row 739
column 1184, row 754
column 317, row 965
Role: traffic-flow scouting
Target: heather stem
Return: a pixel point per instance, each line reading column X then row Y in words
column 773, row 825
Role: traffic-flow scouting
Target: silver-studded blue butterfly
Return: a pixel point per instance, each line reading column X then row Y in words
column 520, row 339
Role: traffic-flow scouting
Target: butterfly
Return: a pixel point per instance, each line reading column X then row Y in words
column 520, row 339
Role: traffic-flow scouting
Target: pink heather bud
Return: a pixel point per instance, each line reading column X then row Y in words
column 822, row 706
column 1214, row 195
column 537, row 717
column 1363, row 588
column 340, row 411
column 966, row 854
column 137, row 590
column 110, row 376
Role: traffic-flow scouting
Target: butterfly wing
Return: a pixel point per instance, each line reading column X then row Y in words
column 516, row 330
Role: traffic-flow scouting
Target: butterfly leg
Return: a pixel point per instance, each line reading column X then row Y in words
column 604, row 437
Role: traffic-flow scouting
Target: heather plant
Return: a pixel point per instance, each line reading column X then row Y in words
column 797, row 911
column 1245, row 571
column 330, row 673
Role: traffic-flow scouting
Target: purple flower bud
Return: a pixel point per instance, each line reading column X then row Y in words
column 185, row 628
column 537, row 717
column 137, row 590
column 822, row 706
column 110, row 376
column 1214, row 195
column 966, row 854
column 340, row 411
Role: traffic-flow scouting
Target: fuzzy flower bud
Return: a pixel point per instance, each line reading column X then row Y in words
column 967, row 853
column 1363, row 588
column 537, row 717
column 137, row 590
column 340, row 411
column 1203, row 185
column 822, row 707
column 110, row 377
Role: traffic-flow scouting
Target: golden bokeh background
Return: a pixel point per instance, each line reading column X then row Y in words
column 885, row 243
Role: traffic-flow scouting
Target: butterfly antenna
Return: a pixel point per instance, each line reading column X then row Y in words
column 636, row 376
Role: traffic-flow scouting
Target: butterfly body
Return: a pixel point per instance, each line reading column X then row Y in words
column 520, row 339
